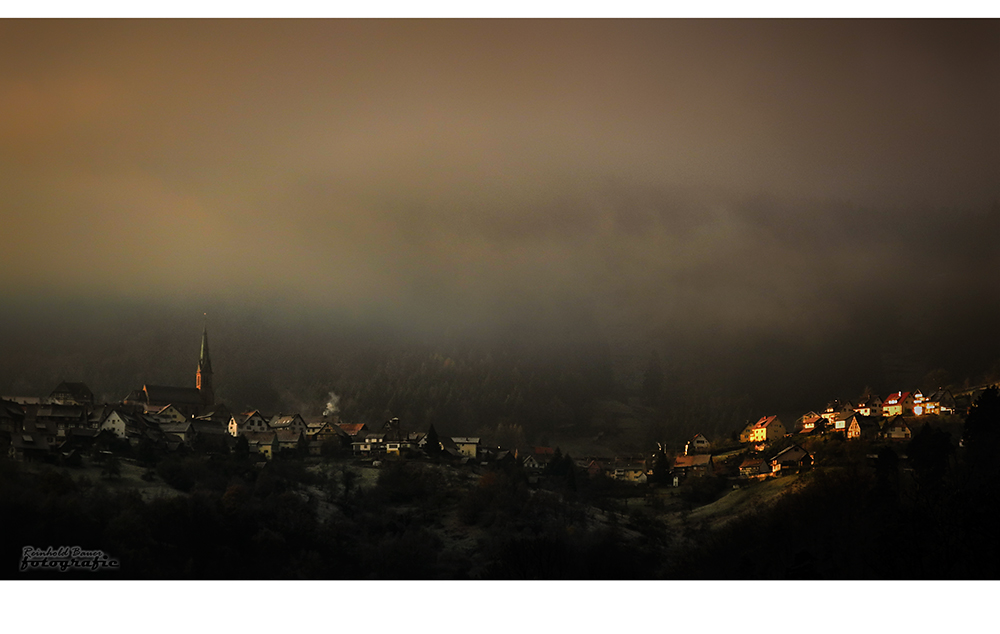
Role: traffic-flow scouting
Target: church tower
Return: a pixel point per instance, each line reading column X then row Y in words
column 203, row 380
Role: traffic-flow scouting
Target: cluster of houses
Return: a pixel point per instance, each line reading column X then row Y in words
column 68, row 421
column 871, row 418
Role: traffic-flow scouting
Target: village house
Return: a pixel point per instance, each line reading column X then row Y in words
column 327, row 432
column 246, row 422
column 121, row 424
column 396, row 447
column 369, row 445
column 791, row 460
column 692, row 464
column 843, row 420
column 11, row 416
column 754, row 467
column 629, row 471
column 72, row 394
column 896, row 429
column 941, row 403
column 767, row 429
column 293, row 422
column 264, row 443
column 596, row 467
column 466, row 446
column 62, row 418
column 290, row 440
column 869, row 406
column 862, row 428
column 898, row 404
column 210, row 435
column 698, row 444
column 354, row 430
column 29, row 447
column 807, row 423
column 184, row 431
column 835, row 409
column 538, row 458
column 165, row 414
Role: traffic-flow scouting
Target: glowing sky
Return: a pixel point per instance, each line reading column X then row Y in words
column 734, row 176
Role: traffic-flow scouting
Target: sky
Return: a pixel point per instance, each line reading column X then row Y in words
column 728, row 184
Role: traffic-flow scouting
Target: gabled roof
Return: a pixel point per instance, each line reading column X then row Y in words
column 896, row 421
column 29, row 441
column 465, row 440
column 60, row 411
column 765, row 421
column 940, row 395
column 78, row 391
column 692, row 460
column 209, row 427
column 10, row 409
column 176, row 428
column 791, row 454
column 172, row 395
column 285, row 420
column 352, row 428
column 288, row 435
column 257, row 437
column 898, row 397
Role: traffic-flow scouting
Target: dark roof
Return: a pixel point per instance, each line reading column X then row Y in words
column 78, row 391
column 10, row 409
column 692, row 460
column 288, row 435
column 174, row 428
column 791, row 454
column 209, row 427
column 172, row 395
column 60, row 411
column 29, row 441
column 256, row 437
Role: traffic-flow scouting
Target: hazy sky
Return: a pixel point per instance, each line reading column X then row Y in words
column 715, row 178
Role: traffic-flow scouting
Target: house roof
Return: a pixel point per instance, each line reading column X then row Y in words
column 692, row 460
column 60, row 411
column 176, row 428
column 29, row 441
column 465, row 440
column 765, row 421
column 10, row 409
column 288, row 435
column 78, row 391
column 352, row 428
column 940, row 395
column 256, row 437
column 172, row 395
column 209, row 427
column 285, row 420
column 791, row 454
column 897, row 421
column 898, row 397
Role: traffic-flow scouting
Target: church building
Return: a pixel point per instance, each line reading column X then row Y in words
column 190, row 401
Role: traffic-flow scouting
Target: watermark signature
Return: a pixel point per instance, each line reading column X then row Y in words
column 65, row 558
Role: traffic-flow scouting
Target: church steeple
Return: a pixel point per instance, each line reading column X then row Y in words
column 203, row 380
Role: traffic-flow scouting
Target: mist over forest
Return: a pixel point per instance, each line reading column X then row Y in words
column 474, row 222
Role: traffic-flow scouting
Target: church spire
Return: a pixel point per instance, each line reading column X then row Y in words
column 203, row 380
